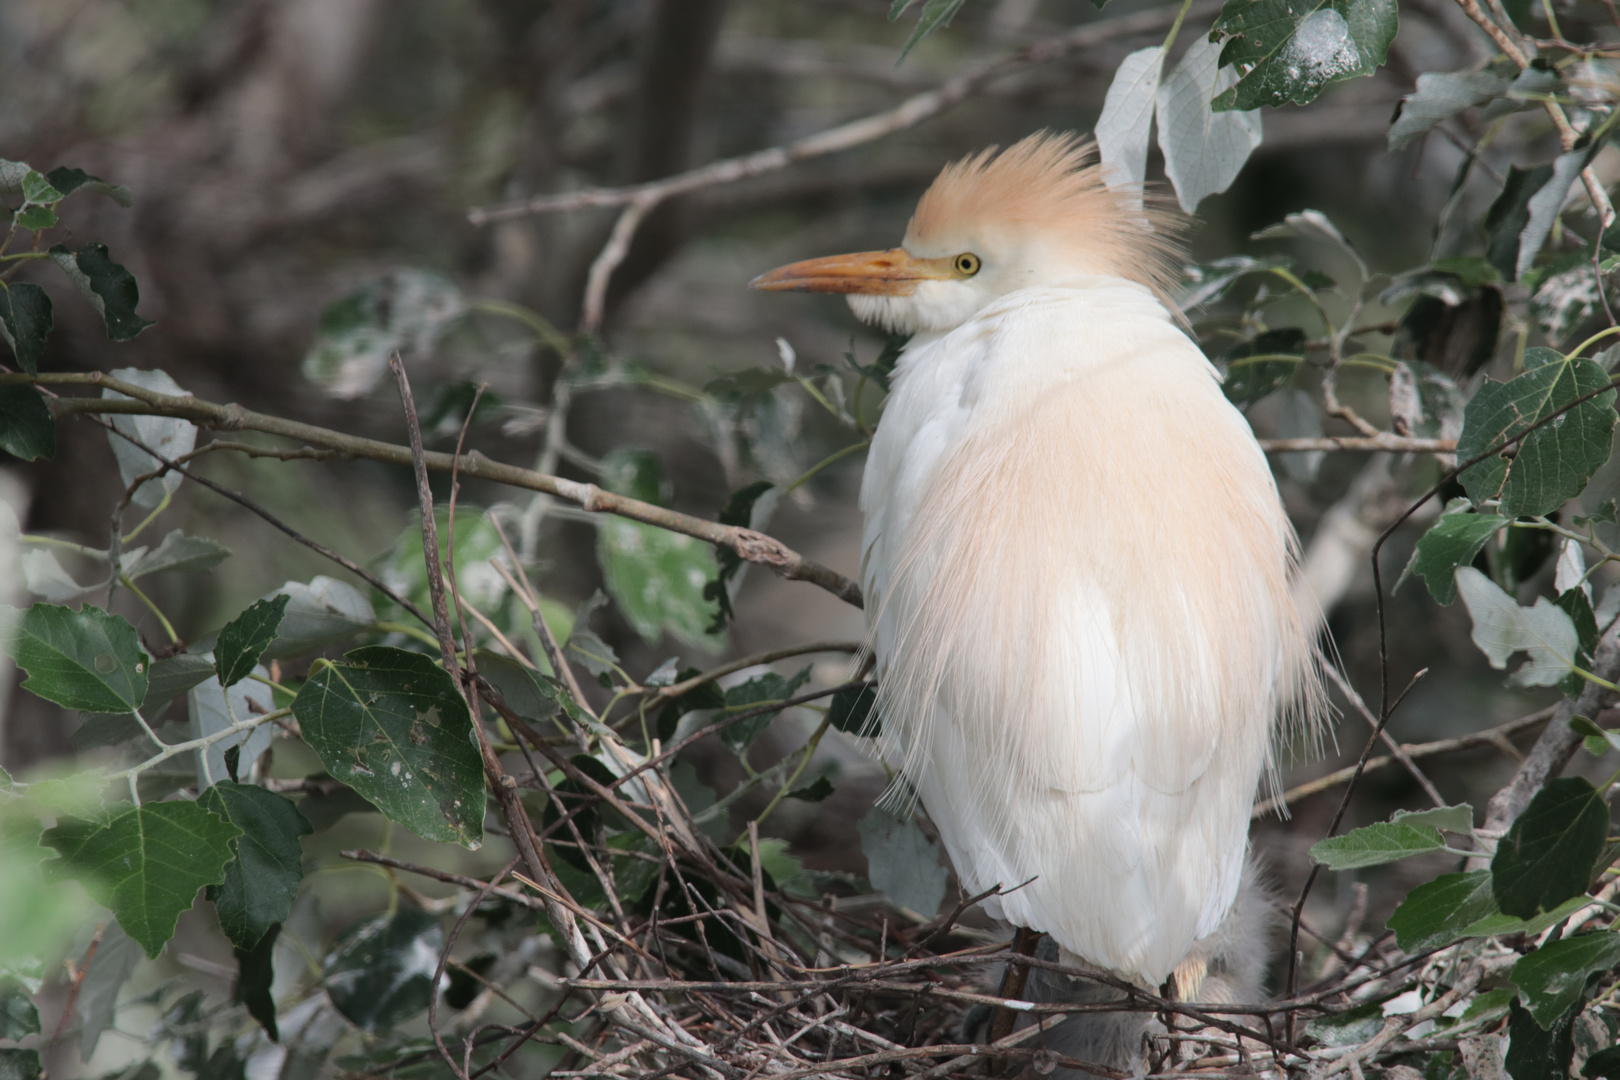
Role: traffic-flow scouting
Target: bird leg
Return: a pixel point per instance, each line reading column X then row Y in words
column 1012, row 988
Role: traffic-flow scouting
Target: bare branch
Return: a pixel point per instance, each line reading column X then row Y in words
column 909, row 113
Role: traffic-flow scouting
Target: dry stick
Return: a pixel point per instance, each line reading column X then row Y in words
column 1491, row 737
column 908, row 113
column 78, row 982
column 1381, row 441
column 748, row 544
column 522, row 829
column 1024, row 943
column 270, row 519
column 609, row 258
column 430, row 527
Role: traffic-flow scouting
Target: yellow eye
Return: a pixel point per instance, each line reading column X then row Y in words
column 966, row 264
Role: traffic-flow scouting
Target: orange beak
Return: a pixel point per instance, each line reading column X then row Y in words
column 876, row 273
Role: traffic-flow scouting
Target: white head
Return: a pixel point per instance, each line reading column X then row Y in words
column 1038, row 214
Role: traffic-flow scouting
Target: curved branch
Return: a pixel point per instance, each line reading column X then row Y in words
column 909, row 113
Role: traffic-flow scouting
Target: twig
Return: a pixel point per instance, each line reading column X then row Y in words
column 1382, row 440
column 248, row 504
column 1395, row 748
column 750, row 545
column 909, row 113
column 430, row 527
column 1491, row 737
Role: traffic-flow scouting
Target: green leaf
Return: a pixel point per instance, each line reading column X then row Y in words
column 173, row 676
column 1610, row 739
column 769, row 687
column 1553, row 463
column 21, row 1065
column 1127, row 116
column 318, row 613
column 27, row 429
column 1502, row 628
column 1206, row 283
column 1553, row 978
column 1537, row 1053
column 1287, row 53
column 18, row 1015
column 902, row 862
column 1203, row 150
column 178, row 552
column 110, row 288
column 36, row 218
column 26, row 319
column 704, row 696
column 1439, row 912
column 67, row 181
column 855, row 711
column 408, row 310
column 391, row 725
column 255, row 975
column 1249, row 380
column 739, row 511
column 1548, row 853
column 1457, row 819
column 261, row 883
column 163, row 435
column 243, row 640
column 1439, row 96
column 1603, row 1065
column 114, row 962
column 37, row 190
column 815, row 792
column 935, row 14
column 85, row 659
column 1374, row 845
column 1453, row 541
column 147, row 864
column 659, row 580
column 380, row 971
column 1519, row 221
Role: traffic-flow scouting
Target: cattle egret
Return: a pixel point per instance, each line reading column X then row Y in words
column 1076, row 563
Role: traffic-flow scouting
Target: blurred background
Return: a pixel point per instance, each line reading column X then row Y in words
column 288, row 156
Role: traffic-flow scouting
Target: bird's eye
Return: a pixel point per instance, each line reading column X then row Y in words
column 966, row 264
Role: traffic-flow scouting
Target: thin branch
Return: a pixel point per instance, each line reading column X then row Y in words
column 248, row 504
column 750, row 545
column 907, row 114
column 1395, row 748
column 1492, row 737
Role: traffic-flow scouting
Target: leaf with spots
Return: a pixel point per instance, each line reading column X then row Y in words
column 85, row 659
column 658, row 578
column 146, row 864
column 1286, row 52
column 1552, row 463
column 391, row 725
column 380, row 971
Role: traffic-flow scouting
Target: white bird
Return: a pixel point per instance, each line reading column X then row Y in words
column 1076, row 564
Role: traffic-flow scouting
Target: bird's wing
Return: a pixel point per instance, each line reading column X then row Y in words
column 1084, row 616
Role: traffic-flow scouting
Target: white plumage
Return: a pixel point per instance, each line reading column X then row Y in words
column 1076, row 564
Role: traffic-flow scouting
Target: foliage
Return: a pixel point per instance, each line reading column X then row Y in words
column 445, row 695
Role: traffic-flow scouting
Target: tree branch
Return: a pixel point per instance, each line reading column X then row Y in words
column 909, row 113
column 750, row 545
